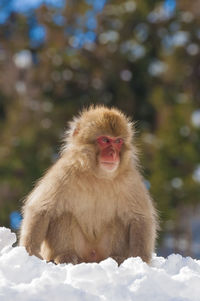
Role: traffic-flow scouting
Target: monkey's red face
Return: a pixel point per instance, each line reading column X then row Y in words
column 110, row 148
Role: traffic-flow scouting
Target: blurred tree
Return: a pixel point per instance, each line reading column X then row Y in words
column 141, row 56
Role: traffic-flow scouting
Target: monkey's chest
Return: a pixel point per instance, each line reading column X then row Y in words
column 93, row 215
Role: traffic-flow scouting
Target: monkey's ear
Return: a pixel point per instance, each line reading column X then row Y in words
column 76, row 130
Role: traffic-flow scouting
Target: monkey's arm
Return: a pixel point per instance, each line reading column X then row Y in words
column 33, row 230
column 40, row 207
column 142, row 235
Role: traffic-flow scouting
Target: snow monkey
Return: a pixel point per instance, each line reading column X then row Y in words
column 92, row 203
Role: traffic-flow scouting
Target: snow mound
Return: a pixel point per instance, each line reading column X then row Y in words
column 7, row 239
column 27, row 278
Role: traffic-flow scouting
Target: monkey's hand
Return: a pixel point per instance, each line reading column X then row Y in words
column 32, row 251
column 33, row 230
column 68, row 257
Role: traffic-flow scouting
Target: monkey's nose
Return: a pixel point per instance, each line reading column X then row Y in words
column 112, row 153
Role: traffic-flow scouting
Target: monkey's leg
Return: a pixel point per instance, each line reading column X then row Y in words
column 67, row 257
column 142, row 238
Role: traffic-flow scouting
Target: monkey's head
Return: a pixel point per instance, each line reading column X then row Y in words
column 105, row 136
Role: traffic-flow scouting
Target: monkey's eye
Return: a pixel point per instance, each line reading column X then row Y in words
column 105, row 140
column 119, row 141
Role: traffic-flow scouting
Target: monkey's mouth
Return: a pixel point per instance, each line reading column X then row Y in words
column 108, row 165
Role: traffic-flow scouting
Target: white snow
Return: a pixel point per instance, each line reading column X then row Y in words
column 27, row 278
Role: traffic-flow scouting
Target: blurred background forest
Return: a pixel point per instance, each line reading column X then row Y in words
column 141, row 56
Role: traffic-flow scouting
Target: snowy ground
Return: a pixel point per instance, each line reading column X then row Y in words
column 27, row 278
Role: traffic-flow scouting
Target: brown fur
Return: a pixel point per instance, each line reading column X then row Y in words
column 79, row 213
